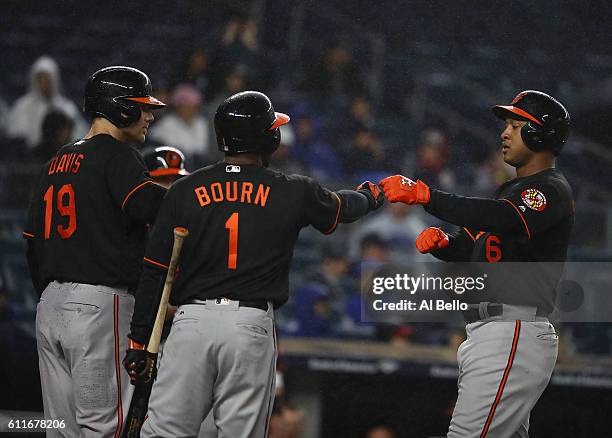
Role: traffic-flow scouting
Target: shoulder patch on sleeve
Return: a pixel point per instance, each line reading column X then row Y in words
column 534, row 199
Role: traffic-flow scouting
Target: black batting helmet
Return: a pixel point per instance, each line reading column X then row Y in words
column 246, row 122
column 548, row 122
column 117, row 93
column 165, row 161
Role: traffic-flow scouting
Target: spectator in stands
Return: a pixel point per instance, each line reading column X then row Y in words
column 196, row 71
column 28, row 112
column 57, row 131
column 365, row 156
column 282, row 158
column 381, row 431
column 184, row 126
column 320, row 159
column 239, row 45
column 336, row 76
column 399, row 226
column 359, row 116
column 432, row 156
column 319, row 300
column 492, row 174
column 286, row 420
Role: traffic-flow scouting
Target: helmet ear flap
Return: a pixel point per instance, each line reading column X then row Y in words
column 533, row 136
column 129, row 113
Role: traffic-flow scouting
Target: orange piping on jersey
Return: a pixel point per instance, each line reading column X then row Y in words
column 521, row 216
column 132, row 191
column 153, row 262
column 470, row 234
column 480, row 234
column 333, row 227
column 27, row 235
column 517, row 332
column 117, row 366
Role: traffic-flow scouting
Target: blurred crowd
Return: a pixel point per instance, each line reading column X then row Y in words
column 337, row 135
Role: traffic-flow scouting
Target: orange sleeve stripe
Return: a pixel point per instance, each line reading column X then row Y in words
column 470, row 234
column 500, row 390
column 27, row 235
column 153, row 262
column 132, row 192
column 521, row 216
column 333, row 227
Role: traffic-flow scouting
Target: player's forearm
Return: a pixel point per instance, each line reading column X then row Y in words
column 148, row 295
column 143, row 205
column 491, row 215
column 458, row 250
column 354, row 205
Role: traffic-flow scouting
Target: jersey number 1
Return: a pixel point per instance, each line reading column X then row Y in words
column 232, row 226
column 66, row 208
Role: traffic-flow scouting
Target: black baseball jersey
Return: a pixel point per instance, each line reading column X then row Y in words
column 530, row 220
column 77, row 218
column 545, row 206
column 243, row 222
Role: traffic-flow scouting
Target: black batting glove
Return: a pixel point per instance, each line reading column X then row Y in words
column 375, row 196
column 139, row 363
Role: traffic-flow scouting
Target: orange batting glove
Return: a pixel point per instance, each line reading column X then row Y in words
column 398, row 188
column 430, row 239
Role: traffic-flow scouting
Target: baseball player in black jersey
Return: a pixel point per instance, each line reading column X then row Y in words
column 86, row 229
column 511, row 348
column 243, row 221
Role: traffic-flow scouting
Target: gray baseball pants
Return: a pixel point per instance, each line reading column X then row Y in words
column 219, row 357
column 81, row 332
column 504, row 367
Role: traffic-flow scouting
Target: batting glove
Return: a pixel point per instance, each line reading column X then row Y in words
column 373, row 193
column 139, row 364
column 398, row 188
column 430, row 239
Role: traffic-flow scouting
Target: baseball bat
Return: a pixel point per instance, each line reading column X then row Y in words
column 142, row 391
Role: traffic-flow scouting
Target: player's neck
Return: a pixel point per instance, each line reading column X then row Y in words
column 244, row 159
column 103, row 126
column 536, row 165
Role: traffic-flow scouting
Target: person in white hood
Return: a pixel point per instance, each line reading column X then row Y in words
column 28, row 112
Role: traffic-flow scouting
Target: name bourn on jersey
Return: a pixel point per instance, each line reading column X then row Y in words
column 233, row 191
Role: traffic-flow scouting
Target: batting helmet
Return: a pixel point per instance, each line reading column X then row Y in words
column 548, row 122
column 164, row 161
column 117, row 94
column 246, row 122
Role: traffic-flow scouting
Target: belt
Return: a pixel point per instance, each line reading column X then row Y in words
column 478, row 312
column 485, row 310
column 262, row 305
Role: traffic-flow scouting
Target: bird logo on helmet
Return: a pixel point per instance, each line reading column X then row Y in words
column 165, row 161
column 117, row 93
column 247, row 123
column 548, row 122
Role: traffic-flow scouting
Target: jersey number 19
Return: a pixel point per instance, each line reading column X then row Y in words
column 65, row 207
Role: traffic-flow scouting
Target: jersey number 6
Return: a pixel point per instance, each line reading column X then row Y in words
column 232, row 226
column 65, row 206
column 494, row 253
